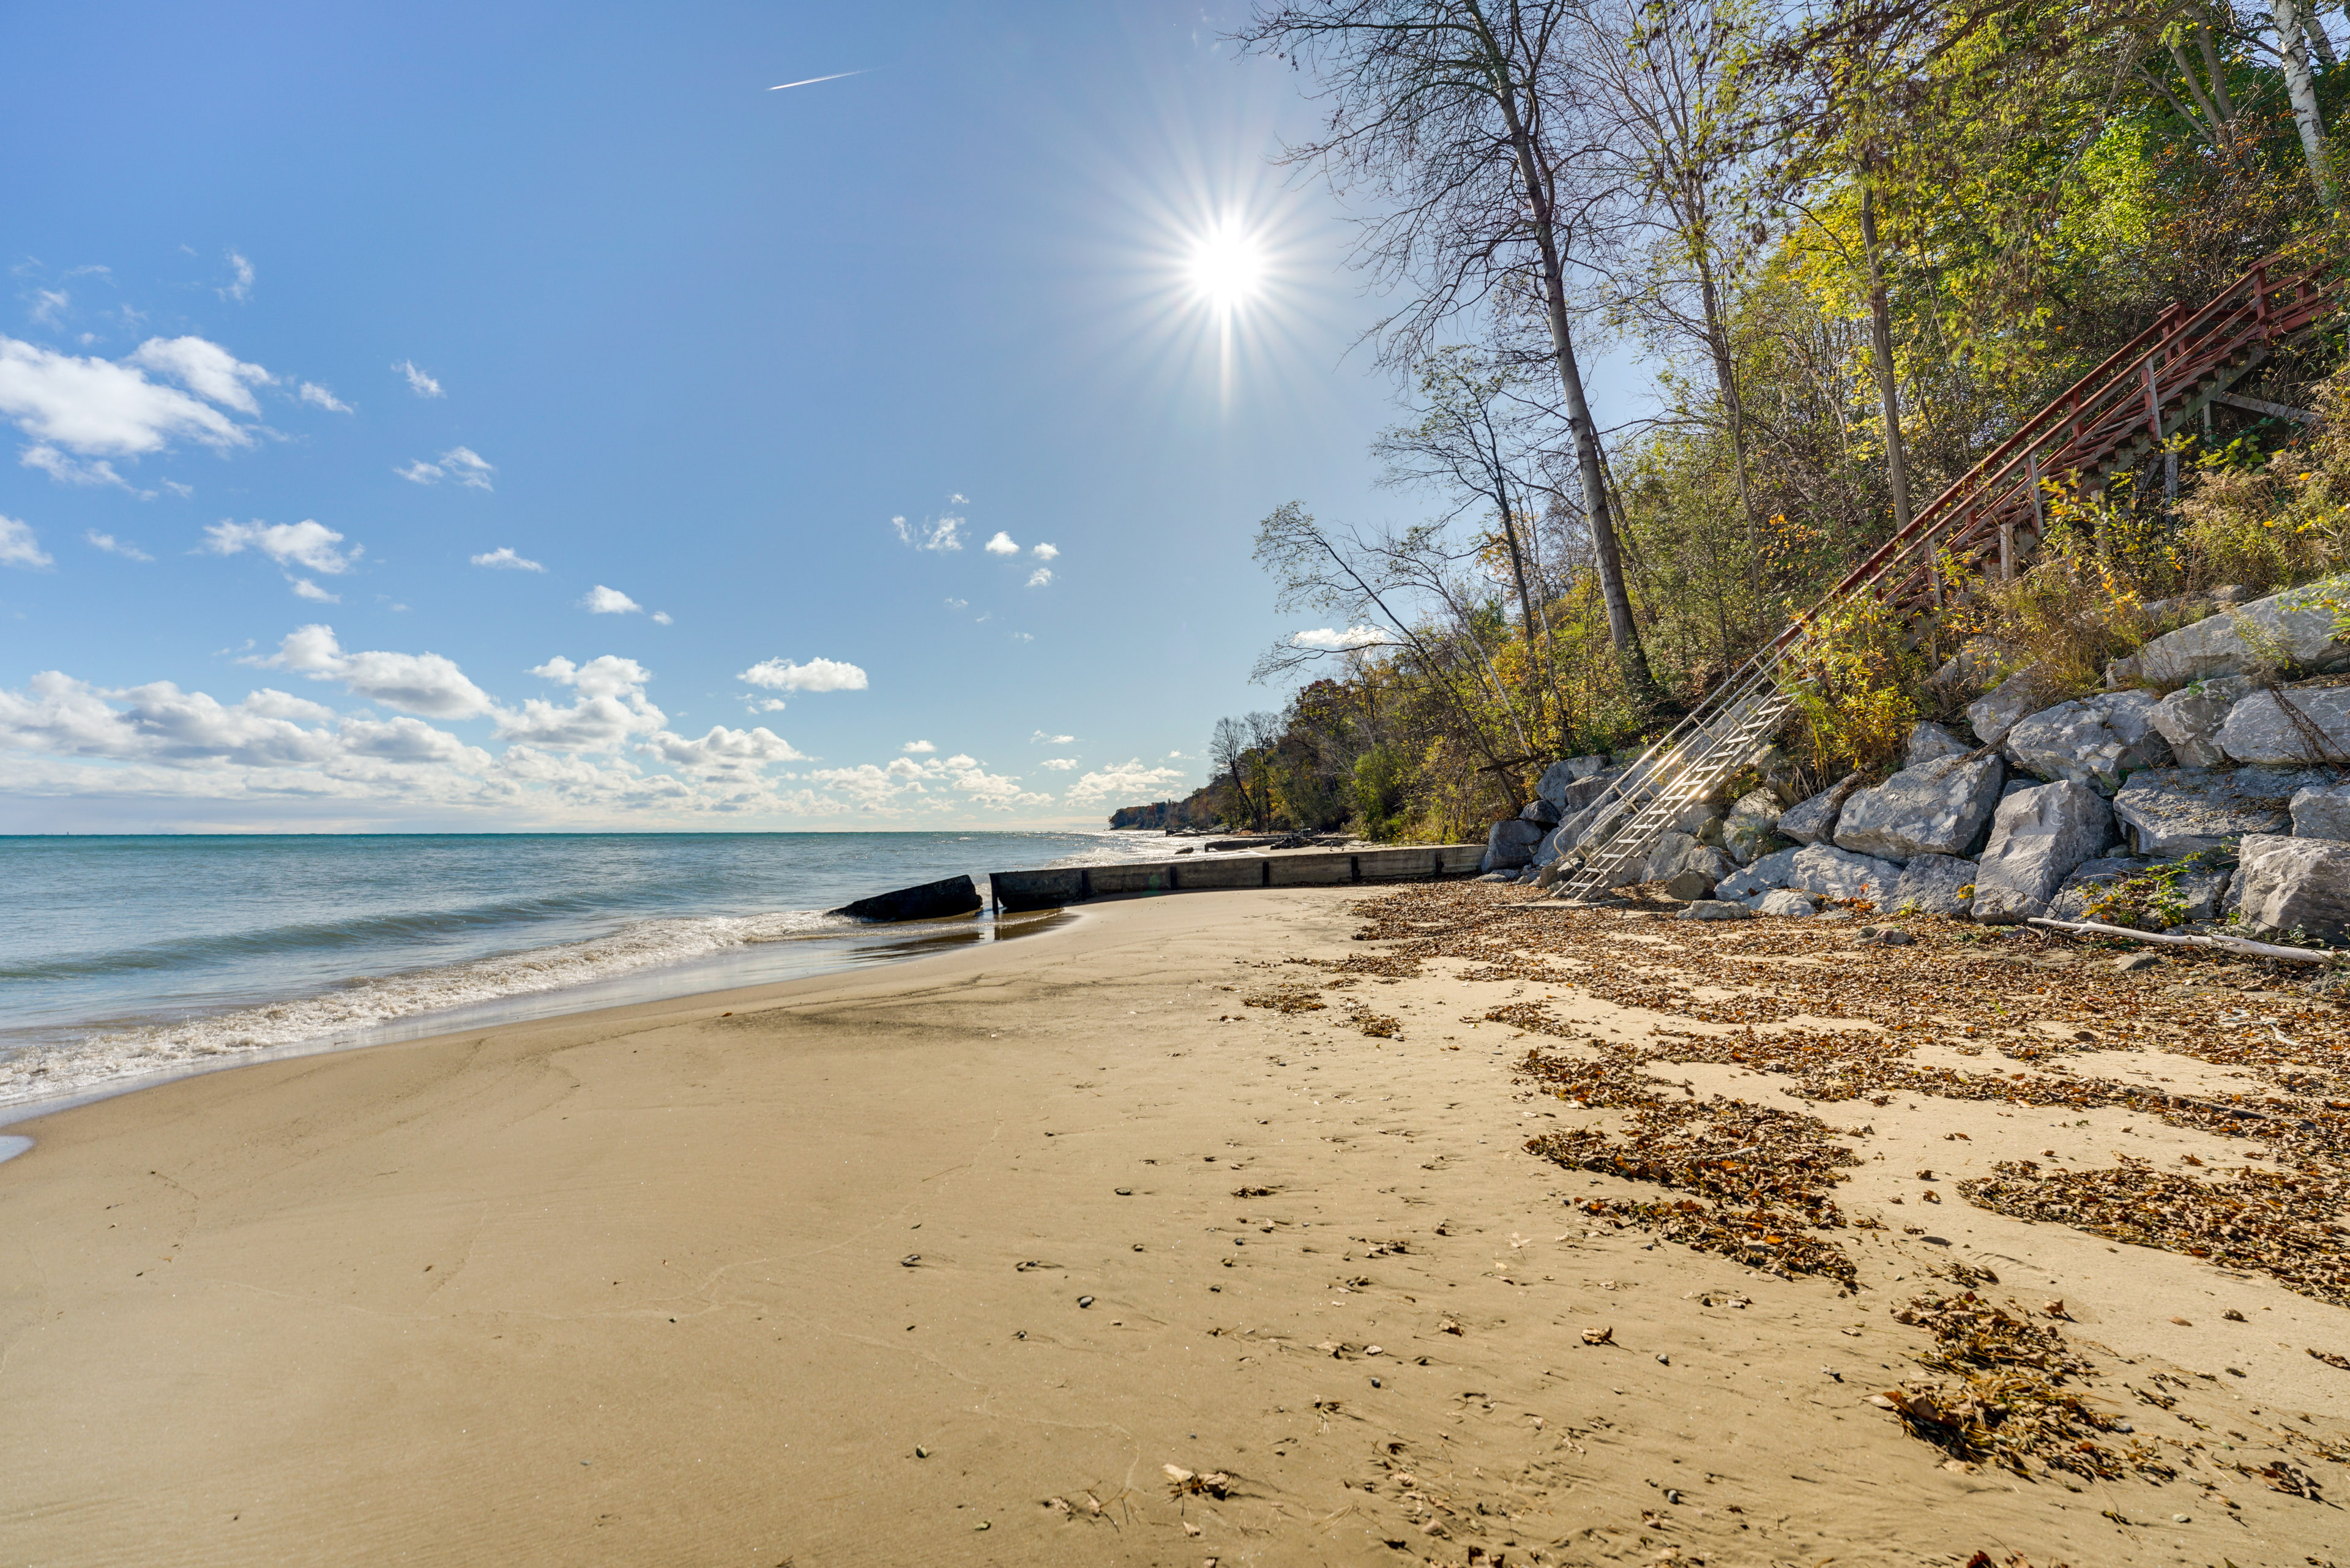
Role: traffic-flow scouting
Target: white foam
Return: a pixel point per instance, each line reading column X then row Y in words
column 109, row 1056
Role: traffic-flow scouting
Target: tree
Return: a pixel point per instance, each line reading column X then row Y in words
column 1458, row 115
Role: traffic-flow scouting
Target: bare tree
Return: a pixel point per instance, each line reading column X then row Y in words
column 1228, row 750
column 1456, row 115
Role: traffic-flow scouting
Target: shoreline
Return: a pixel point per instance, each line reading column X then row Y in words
column 948, row 1259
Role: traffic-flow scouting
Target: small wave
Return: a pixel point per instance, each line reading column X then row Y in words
column 109, row 1056
column 359, row 931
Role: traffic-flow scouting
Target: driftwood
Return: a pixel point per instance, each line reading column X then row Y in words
column 2225, row 944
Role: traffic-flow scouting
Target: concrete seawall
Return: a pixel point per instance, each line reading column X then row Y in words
column 1020, row 890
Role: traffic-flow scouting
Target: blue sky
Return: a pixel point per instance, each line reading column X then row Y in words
column 353, row 356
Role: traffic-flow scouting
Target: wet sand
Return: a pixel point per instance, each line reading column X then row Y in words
column 948, row 1261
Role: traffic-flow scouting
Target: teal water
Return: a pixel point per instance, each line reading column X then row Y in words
column 125, row 959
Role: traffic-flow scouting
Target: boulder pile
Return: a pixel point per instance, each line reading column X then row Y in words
column 2209, row 782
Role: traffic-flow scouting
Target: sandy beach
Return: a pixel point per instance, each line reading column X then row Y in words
column 951, row 1260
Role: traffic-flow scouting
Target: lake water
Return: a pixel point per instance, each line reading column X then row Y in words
column 131, row 958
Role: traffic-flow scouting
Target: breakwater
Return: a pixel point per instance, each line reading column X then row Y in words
column 1015, row 891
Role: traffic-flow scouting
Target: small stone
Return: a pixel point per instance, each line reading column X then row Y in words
column 910, row 1260
column 1663, row 1360
column 1085, row 1301
column 1126, row 1192
column 2132, row 962
column 920, row 1452
column 2180, row 1519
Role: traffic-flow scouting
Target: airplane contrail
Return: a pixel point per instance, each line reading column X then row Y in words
column 812, row 80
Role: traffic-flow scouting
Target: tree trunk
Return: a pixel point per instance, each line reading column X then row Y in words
column 1622, row 631
column 1880, row 317
column 2292, row 45
column 1725, row 376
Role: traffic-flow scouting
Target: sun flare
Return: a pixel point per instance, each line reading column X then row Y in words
column 1227, row 267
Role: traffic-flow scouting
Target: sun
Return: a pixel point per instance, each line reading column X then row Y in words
column 1227, row 267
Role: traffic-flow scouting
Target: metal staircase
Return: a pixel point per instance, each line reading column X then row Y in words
column 2104, row 424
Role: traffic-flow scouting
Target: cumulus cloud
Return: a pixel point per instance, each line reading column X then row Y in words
column 413, row 683
column 611, row 707
column 503, row 560
column 945, row 533
column 77, row 408
column 957, row 604
column 917, row 748
column 114, row 546
column 1045, row 553
column 422, row 385
column 601, row 600
column 1040, row 578
column 459, row 464
column 1058, row 765
column 205, row 369
column 1128, row 779
column 929, row 783
column 1001, row 544
column 240, row 284
column 304, row 588
column 1042, row 738
column 308, row 544
column 662, row 618
column 311, row 392
column 1330, row 639
column 19, row 546
column 721, row 747
column 815, row 675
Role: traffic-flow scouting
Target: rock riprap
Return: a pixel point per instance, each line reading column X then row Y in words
column 1937, row 808
column 2037, row 838
column 2096, row 741
column 1933, row 885
column 2289, row 628
column 2309, row 723
column 1814, row 820
column 2171, row 812
column 2288, row 885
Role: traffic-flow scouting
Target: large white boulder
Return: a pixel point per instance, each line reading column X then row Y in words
column 1749, row 830
column 1771, row 871
column 2287, row 885
column 2291, row 724
column 2322, row 813
column 2037, row 838
column 1931, row 743
column 1785, row 901
column 1816, row 819
column 1511, row 844
column 1835, row 873
column 1930, row 885
column 2240, row 640
column 2171, row 812
column 1561, row 777
column 2191, row 717
column 1937, row 808
column 1992, row 715
column 2098, row 741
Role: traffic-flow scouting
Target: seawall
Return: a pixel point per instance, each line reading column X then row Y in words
column 1051, row 889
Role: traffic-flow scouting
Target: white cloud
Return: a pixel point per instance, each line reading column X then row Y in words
column 601, row 600
column 240, row 286
column 917, row 748
column 1001, row 544
column 414, row 682
column 422, row 385
column 957, row 604
column 946, row 534
column 178, row 489
column 770, row 705
column 908, row 782
column 1045, row 553
column 205, row 369
column 662, row 618
column 1129, row 779
column 71, row 471
column 306, row 544
column 100, row 408
column 1058, row 765
column 49, row 306
column 1040, row 578
column 19, row 546
column 1050, row 740
column 311, row 392
column 611, row 707
column 114, row 546
column 1024, row 636
column 503, row 560
column 459, row 462
column 815, row 675
column 721, row 747
column 957, row 499
column 1330, row 639
column 304, row 588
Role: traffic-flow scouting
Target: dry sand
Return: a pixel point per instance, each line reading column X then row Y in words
column 801, row 1275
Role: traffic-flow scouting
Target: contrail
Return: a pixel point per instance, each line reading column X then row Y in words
column 812, row 80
